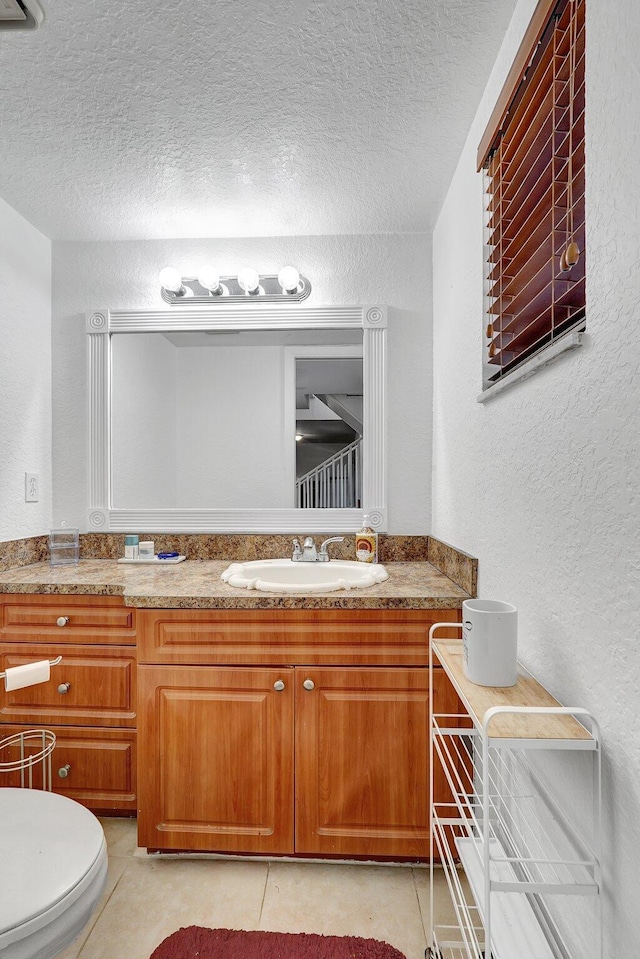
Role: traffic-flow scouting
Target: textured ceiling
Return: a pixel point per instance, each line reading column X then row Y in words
column 121, row 119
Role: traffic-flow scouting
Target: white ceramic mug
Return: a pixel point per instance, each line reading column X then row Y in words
column 490, row 642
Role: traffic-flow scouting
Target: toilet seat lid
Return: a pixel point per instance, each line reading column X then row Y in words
column 48, row 844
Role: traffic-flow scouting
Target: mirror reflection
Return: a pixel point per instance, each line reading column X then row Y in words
column 212, row 420
column 329, row 429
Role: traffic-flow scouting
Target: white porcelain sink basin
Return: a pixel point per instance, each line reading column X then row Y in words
column 285, row 576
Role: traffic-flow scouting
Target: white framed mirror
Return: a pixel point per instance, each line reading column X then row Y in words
column 153, row 405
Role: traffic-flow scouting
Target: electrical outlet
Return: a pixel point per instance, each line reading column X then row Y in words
column 31, row 488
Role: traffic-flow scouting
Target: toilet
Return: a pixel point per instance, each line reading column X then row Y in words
column 53, row 869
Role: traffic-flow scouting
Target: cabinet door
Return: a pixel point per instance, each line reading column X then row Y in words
column 362, row 776
column 216, row 748
column 96, row 767
column 33, row 618
column 268, row 637
column 92, row 686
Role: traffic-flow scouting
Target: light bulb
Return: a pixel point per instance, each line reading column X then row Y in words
column 209, row 279
column 249, row 280
column 289, row 278
column 171, row 280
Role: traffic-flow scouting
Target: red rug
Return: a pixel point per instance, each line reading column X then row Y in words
column 196, row 942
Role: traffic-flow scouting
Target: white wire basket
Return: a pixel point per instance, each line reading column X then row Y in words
column 27, row 755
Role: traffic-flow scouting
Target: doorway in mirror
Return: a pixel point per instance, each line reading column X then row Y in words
column 329, row 430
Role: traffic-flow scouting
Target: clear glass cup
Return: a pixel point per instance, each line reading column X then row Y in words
column 64, row 546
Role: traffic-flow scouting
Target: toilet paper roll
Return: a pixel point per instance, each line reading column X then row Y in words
column 17, row 677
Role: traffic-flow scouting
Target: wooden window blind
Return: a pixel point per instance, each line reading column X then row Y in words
column 533, row 157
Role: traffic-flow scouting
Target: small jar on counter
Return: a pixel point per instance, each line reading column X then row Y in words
column 146, row 549
column 131, row 547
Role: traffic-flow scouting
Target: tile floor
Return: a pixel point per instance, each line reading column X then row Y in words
column 148, row 898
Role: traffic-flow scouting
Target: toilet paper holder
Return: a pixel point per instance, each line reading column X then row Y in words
column 52, row 662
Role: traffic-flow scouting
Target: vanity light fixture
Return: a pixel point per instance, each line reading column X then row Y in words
column 289, row 279
column 248, row 286
column 249, row 281
column 209, row 280
column 171, row 281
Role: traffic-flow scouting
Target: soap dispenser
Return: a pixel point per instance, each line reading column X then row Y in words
column 366, row 542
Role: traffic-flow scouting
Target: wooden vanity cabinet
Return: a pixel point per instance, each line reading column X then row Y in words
column 362, row 760
column 90, row 700
column 216, row 748
column 295, row 732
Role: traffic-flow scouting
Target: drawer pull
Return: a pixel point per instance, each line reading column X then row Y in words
column 64, row 771
column 62, row 620
column 278, row 685
column 309, row 684
column 64, row 688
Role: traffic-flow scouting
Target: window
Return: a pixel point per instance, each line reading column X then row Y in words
column 532, row 154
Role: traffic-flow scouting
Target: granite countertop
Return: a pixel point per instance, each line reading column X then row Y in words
column 196, row 584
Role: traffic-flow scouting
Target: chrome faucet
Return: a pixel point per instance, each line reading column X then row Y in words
column 309, row 553
column 323, row 556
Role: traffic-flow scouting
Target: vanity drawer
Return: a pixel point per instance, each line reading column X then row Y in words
column 102, row 686
column 288, row 637
column 96, row 767
column 55, row 618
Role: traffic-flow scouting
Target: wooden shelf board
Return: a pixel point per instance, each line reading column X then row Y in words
column 527, row 692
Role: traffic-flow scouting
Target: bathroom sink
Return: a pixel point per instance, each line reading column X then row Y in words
column 285, row 576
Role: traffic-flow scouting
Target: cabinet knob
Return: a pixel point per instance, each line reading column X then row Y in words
column 62, row 620
column 64, row 688
column 309, row 684
column 64, row 771
column 278, row 685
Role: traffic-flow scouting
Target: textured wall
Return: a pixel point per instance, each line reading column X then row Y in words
column 542, row 483
column 25, row 374
column 394, row 270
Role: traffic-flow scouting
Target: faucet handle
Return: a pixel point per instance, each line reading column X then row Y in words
column 297, row 552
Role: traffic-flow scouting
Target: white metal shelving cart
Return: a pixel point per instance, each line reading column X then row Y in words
column 521, row 859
